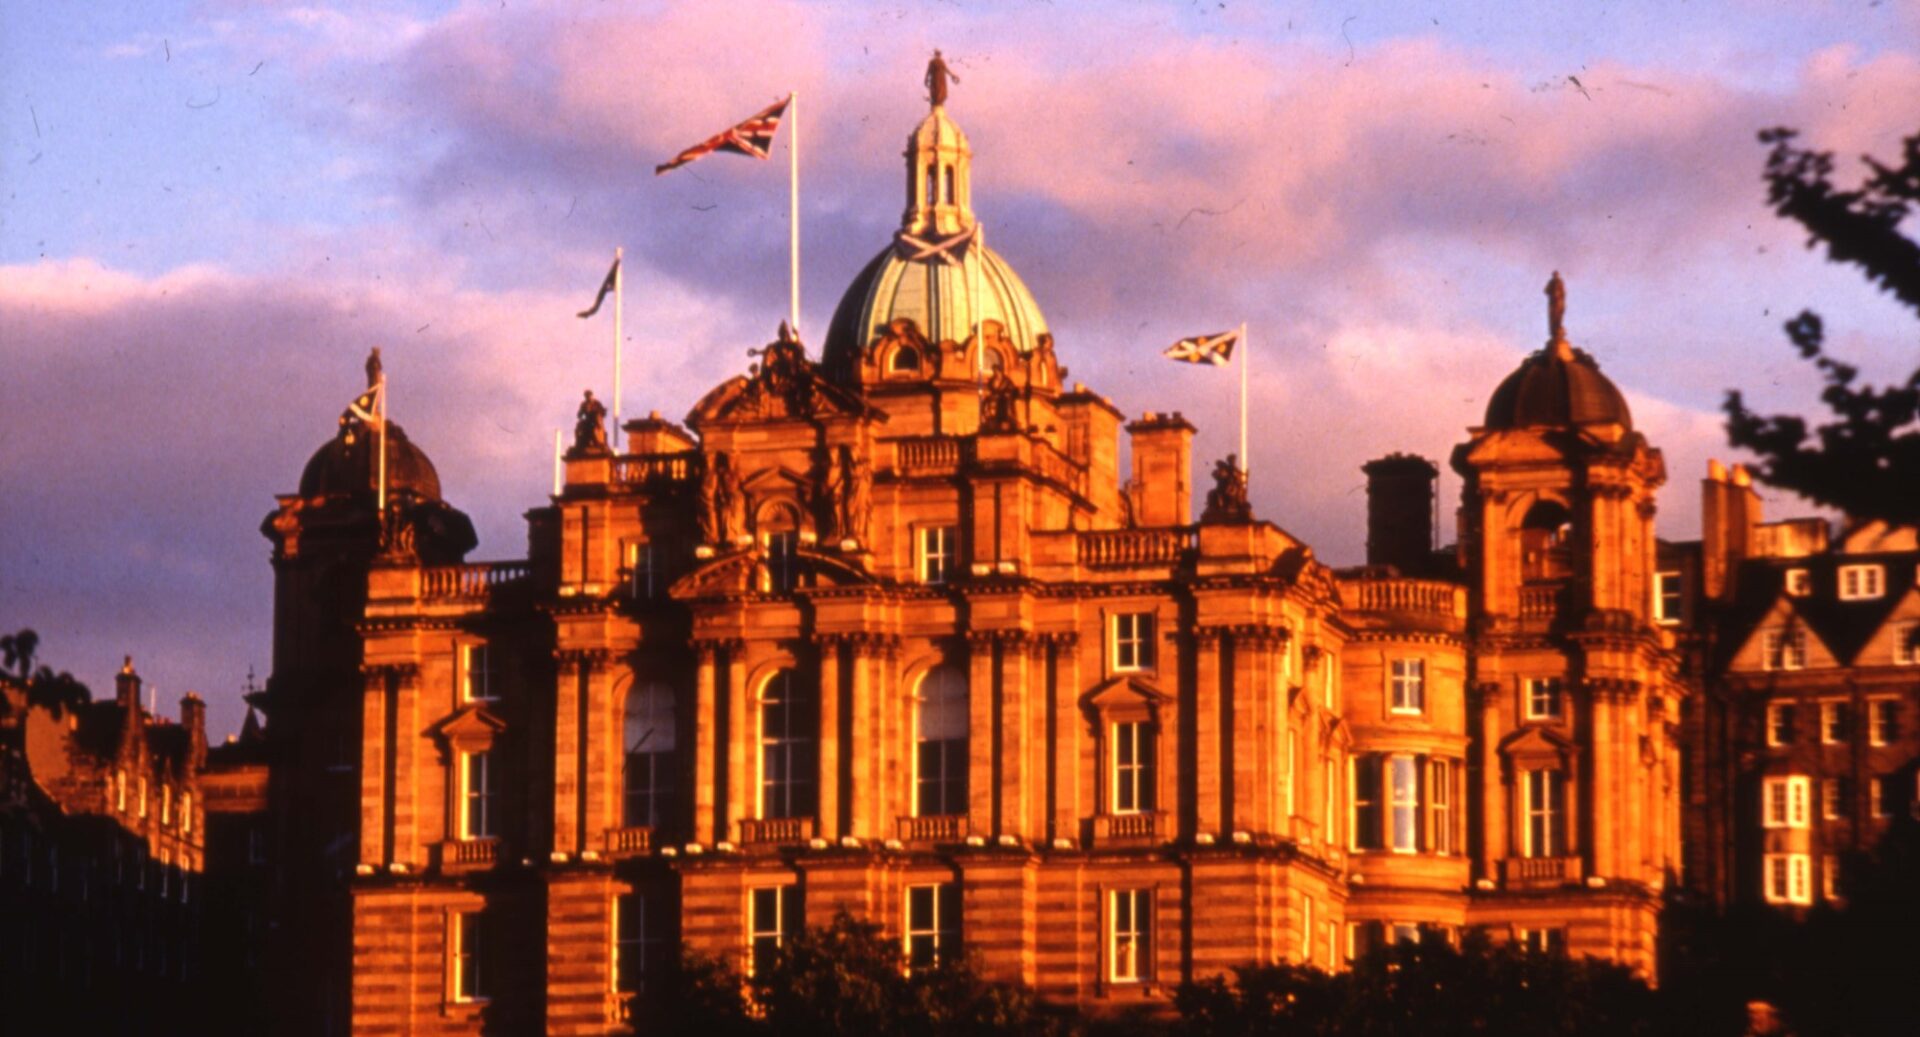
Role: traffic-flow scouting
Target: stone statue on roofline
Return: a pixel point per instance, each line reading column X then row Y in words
column 590, row 425
column 708, row 515
column 856, row 495
column 938, row 76
column 1227, row 501
column 1556, row 308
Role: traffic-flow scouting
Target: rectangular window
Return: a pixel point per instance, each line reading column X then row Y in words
column 1799, row 584
column 936, row 554
column 1666, row 598
column 1440, row 795
column 1132, row 767
column 1132, row 641
column 933, row 924
column 1543, row 941
column 1545, row 813
column 481, row 786
column 1409, row 690
column 1780, row 724
column 469, row 974
column 780, row 564
column 142, row 804
column 774, row 913
column 1287, row 778
column 1884, row 726
column 1830, row 877
column 1786, row 650
column 1884, row 793
column 1544, row 698
column 1783, row 802
column 166, row 804
column 1862, row 582
column 1129, row 935
column 642, row 581
column 1787, row 879
column 1835, row 795
column 1834, row 722
column 186, row 812
column 1327, row 799
column 1403, row 789
column 476, row 673
column 641, row 941
column 1365, row 775
column 1306, row 928
column 1906, row 644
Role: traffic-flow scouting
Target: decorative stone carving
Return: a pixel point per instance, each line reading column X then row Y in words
column 938, row 76
column 855, row 496
column 708, row 515
column 999, row 406
column 590, row 425
column 730, row 501
column 1227, row 501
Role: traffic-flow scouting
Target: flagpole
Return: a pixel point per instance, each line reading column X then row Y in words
column 619, row 290
column 1246, row 361
column 558, row 453
column 793, row 214
column 383, row 447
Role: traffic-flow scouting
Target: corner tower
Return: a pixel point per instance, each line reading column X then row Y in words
column 1574, row 698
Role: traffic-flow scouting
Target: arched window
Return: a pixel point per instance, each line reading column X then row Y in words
column 949, row 185
column 650, row 761
column 789, row 749
column 1546, row 542
column 940, row 747
column 932, row 194
column 906, row 360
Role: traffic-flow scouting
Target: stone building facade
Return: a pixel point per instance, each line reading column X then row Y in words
column 894, row 632
column 102, row 860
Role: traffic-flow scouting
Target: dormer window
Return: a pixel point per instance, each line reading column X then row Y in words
column 1799, row 584
column 906, row 360
column 1862, row 582
column 1785, row 650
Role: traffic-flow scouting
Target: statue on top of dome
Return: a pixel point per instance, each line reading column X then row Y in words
column 1556, row 308
column 938, row 75
column 373, row 367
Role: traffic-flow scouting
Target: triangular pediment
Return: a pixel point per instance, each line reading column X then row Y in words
column 1122, row 696
column 471, row 727
column 1896, row 641
column 783, row 385
column 1535, row 742
column 1784, row 615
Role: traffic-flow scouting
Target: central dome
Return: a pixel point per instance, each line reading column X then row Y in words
column 938, row 272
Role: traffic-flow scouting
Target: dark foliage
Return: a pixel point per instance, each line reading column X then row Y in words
column 847, row 978
column 57, row 691
column 1429, row 988
column 1865, row 462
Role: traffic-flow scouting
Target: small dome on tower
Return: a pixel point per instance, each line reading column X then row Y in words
column 938, row 272
column 1559, row 385
column 348, row 465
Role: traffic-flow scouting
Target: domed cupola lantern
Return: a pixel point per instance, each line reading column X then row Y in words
column 937, row 304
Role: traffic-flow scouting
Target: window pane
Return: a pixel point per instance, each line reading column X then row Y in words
column 1404, row 779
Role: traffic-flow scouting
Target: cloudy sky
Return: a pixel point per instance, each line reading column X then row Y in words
column 212, row 208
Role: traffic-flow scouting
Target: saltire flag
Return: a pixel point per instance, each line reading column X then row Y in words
column 1204, row 349
column 753, row 137
column 367, row 406
column 606, row 286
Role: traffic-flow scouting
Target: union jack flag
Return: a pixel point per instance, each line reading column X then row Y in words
column 753, row 137
column 370, row 405
column 1204, row 349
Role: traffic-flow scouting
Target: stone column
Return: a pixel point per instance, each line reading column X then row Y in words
column 1068, row 799
column 1496, row 833
column 406, row 764
column 566, row 751
column 1016, row 737
column 981, row 773
column 740, row 741
column 706, row 775
column 863, row 813
column 828, row 817
column 1602, row 836
column 1210, row 755
column 1242, row 747
column 374, row 785
column 600, row 764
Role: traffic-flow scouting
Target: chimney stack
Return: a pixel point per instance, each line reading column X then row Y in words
column 1400, row 490
column 1162, row 470
column 126, row 686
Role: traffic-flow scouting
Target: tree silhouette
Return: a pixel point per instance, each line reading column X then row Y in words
column 1865, row 462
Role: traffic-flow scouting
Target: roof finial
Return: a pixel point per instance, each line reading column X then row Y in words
column 373, row 367
column 1557, row 316
column 937, row 76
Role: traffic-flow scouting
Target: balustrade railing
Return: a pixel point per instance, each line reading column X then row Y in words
column 1147, row 826
column 636, row 469
column 933, row 828
column 469, row 854
column 1540, row 871
column 1541, row 601
column 928, row 454
column 1394, row 595
column 629, row 842
column 775, row 830
column 474, row 580
column 1120, row 548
